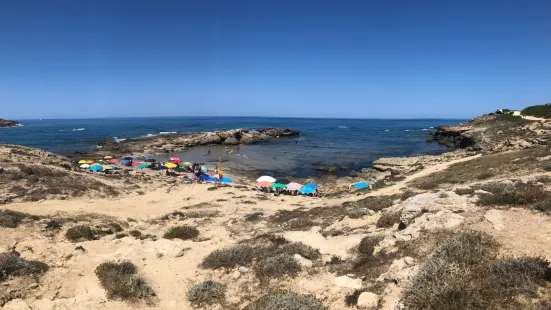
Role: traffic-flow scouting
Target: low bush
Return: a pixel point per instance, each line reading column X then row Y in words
column 79, row 233
column 388, row 219
column 300, row 248
column 407, row 194
column 512, row 276
column 135, row 233
column 512, row 194
column 121, row 281
column 183, row 232
column 543, row 205
column 276, row 266
column 300, row 224
column 239, row 255
column 12, row 219
column 543, row 111
column 464, row 191
column 54, row 224
column 11, row 264
column 375, row 203
column 206, row 293
column 115, row 227
column 254, row 217
column 286, row 300
column 367, row 245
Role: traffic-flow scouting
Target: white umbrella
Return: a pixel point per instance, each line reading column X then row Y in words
column 266, row 179
column 85, row 166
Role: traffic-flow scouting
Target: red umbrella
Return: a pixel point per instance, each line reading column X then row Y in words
column 173, row 158
column 176, row 161
column 136, row 164
column 114, row 161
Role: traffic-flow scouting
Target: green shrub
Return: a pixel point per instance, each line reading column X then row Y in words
column 239, row 255
column 276, row 266
column 115, row 227
column 301, row 223
column 13, row 265
column 543, row 111
column 135, row 233
column 407, row 194
column 367, row 245
column 543, row 205
column 388, row 219
column 183, row 232
column 206, row 293
column 79, row 233
column 507, row 194
column 300, row 248
column 286, row 300
column 12, row 219
column 464, row 191
column 120, row 281
column 54, row 224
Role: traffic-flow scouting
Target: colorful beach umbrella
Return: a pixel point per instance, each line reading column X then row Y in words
column 176, row 161
column 171, row 165
column 361, row 185
column 107, row 167
column 264, row 184
column 89, row 161
column 307, row 190
column 294, row 186
column 266, row 179
column 82, row 161
column 127, row 158
column 161, row 168
column 282, row 181
column 225, row 180
column 174, row 158
column 108, row 157
column 125, row 162
column 85, row 166
column 114, row 161
column 142, row 166
column 310, row 185
column 136, row 164
column 187, row 163
column 96, row 168
column 95, row 164
column 279, row 185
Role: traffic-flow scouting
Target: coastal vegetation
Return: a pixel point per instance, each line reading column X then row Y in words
column 542, row 111
column 120, row 281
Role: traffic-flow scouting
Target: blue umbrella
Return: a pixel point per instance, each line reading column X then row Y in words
column 96, row 168
column 225, row 180
column 204, row 169
column 127, row 158
column 125, row 162
column 210, row 180
column 361, row 185
column 307, row 190
column 310, row 185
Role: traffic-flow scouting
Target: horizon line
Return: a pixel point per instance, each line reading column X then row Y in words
column 277, row 117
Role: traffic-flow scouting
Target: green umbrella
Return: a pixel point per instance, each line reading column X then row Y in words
column 279, row 185
column 187, row 163
column 142, row 166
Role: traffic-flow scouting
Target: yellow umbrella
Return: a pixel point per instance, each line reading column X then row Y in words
column 89, row 161
column 82, row 161
column 171, row 165
column 107, row 167
column 108, row 157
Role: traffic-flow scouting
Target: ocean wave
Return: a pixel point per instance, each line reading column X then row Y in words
column 386, row 129
column 425, row 129
column 431, row 127
column 150, row 135
column 79, row 129
column 407, row 129
column 343, row 127
column 167, row 132
column 118, row 139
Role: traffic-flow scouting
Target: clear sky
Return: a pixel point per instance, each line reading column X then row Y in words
column 341, row 58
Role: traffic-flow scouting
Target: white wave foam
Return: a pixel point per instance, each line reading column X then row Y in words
column 79, row 129
column 431, row 127
column 407, row 129
column 386, row 129
column 167, row 132
column 150, row 135
column 118, row 139
column 343, row 127
column 424, row 129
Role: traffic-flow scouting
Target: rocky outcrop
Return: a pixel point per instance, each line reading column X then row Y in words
column 454, row 136
column 407, row 165
column 8, row 123
column 177, row 142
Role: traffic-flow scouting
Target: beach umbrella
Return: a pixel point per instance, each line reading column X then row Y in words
column 161, row 168
column 125, row 162
column 310, row 185
column 108, row 157
column 142, row 166
column 210, row 180
column 282, row 181
column 176, row 161
column 266, row 179
column 225, row 180
column 204, row 169
column 180, row 170
column 82, row 161
column 95, row 164
column 89, row 161
column 294, row 186
column 174, row 158
column 307, row 190
column 85, row 166
column 361, row 185
column 171, row 165
column 204, row 177
column 136, row 164
column 114, row 161
column 150, row 160
column 187, row 163
column 264, row 184
column 279, row 185
column 127, row 158
column 107, row 167
column 96, row 168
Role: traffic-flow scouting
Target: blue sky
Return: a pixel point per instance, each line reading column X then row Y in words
column 360, row 59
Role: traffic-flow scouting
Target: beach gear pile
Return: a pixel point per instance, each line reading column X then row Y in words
column 270, row 183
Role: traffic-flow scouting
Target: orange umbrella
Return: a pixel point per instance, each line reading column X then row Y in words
column 89, row 161
column 264, row 184
column 114, row 161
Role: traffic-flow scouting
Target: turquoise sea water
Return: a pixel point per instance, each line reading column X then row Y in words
column 354, row 143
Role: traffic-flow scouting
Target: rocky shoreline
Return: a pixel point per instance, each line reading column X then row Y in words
column 178, row 142
column 4, row 123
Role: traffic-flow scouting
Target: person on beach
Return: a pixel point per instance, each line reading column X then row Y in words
column 209, row 153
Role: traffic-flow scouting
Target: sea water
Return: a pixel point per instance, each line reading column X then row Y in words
column 351, row 143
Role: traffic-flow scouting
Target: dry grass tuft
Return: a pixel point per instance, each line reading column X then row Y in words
column 12, row 219
column 280, row 300
column 206, row 293
column 519, row 194
column 276, row 266
column 79, row 233
column 120, row 281
column 183, row 232
column 239, row 255
column 13, row 265
column 388, row 219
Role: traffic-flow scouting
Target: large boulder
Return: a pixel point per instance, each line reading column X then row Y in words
column 7, row 123
column 231, row 141
column 210, row 138
column 368, row 300
column 247, row 138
